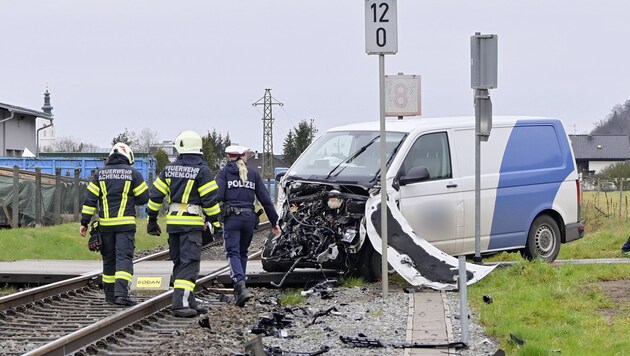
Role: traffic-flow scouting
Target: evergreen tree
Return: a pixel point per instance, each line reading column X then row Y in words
column 127, row 137
column 297, row 140
column 288, row 149
column 162, row 159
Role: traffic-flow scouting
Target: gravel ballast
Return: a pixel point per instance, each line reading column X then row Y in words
column 316, row 324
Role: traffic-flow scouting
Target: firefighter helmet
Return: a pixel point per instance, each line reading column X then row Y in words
column 188, row 142
column 123, row 150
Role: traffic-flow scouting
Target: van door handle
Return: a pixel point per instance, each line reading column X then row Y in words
column 451, row 185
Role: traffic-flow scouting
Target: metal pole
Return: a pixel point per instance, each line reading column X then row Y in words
column 463, row 298
column 477, row 257
column 77, row 189
column 15, row 205
column 381, row 84
column 57, row 210
column 38, row 196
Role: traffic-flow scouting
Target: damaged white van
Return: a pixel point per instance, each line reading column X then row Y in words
column 530, row 193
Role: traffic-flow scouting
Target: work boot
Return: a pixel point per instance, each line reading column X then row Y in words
column 125, row 301
column 185, row 313
column 199, row 309
column 241, row 295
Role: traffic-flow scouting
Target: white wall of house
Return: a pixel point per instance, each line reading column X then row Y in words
column 597, row 166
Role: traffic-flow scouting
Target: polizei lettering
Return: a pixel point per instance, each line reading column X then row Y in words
column 181, row 172
column 125, row 174
column 240, row 184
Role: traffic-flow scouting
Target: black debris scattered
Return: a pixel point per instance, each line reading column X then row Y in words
column 271, row 325
column 517, row 340
column 487, row 299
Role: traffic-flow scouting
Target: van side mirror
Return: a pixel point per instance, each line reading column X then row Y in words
column 415, row 174
column 280, row 175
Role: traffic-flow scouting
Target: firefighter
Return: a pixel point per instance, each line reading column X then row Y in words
column 238, row 187
column 191, row 196
column 117, row 188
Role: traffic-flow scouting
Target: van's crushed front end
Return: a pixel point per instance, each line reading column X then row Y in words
column 321, row 227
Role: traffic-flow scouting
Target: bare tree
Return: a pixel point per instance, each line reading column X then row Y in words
column 70, row 144
column 146, row 140
column 64, row 144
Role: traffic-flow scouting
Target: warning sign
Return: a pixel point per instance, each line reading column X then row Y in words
column 402, row 95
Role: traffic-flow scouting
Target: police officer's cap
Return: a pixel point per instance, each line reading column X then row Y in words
column 236, row 150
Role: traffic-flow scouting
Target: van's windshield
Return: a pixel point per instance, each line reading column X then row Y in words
column 345, row 156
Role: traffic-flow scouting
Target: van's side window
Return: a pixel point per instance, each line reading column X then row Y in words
column 432, row 152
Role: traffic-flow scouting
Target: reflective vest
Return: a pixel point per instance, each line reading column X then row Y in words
column 191, row 192
column 116, row 189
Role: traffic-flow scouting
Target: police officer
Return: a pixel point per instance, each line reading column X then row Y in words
column 118, row 187
column 237, row 188
column 192, row 207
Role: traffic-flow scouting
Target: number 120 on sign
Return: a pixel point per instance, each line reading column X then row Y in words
column 381, row 27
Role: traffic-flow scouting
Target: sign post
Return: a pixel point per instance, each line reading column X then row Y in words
column 483, row 76
column 381, row 37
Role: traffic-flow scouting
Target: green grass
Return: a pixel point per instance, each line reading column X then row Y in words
column 292, row 297
column 352, row 282
column 553, row 308
column 61, row 242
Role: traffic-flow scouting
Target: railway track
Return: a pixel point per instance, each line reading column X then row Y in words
column 72, row 316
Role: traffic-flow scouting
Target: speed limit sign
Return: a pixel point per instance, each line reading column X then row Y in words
column 381, row 27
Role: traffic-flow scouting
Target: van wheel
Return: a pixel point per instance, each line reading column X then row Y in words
column 543, row 241
column 370, row 264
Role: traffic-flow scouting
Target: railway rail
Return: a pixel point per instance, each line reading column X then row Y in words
column 71, row 316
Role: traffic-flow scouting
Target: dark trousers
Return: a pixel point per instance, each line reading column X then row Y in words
column 117, row 251
column 185, row 252
column 238, row 231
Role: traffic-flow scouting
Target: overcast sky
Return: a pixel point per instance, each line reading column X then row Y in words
column 199, row 65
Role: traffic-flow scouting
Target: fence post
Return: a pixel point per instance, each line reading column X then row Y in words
column 38, row 196
column 57, row 216
column 15, row 206
column 77, row 189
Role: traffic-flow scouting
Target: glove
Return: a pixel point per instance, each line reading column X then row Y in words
column 214, row 227
column 95, row 242
column 153, row 228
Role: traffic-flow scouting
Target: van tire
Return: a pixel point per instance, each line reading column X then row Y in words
column 543, row 241
column 370, row 265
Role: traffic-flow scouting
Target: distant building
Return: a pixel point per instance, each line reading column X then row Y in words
column 168, row 147
column 46, row 132
column 256, row 162
column 596, row 152
column 18, row 129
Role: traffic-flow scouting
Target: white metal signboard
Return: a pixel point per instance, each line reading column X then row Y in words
column 381, row 27
column 402, row 95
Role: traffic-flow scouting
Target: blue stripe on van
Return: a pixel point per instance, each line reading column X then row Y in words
column 537, row 160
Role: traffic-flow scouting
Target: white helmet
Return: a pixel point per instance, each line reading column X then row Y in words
column 236, row 150
column 124, row 150
column 188, row 142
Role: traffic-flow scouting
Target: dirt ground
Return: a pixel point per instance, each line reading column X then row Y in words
column 618, row 293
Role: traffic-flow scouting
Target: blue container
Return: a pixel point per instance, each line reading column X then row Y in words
column 87, row 165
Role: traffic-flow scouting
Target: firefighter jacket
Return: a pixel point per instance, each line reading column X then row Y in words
column 191, row 190
column 238, row 194
column 116, row 188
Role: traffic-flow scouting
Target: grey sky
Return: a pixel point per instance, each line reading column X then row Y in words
column 177, row 65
